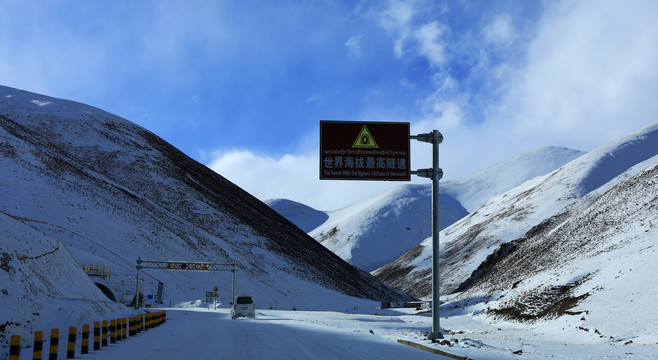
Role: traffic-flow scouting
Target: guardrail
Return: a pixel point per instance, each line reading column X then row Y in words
column 118, row 330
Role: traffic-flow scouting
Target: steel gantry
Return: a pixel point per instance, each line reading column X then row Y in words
column 192, row 266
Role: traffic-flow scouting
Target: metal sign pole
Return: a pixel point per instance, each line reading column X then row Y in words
column 435, row 173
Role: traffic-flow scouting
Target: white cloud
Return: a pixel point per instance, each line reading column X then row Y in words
column 294, row 177
column 397, row 16
column 591, row 75
column 406, row 84
column 353, row 45
column 396, row 19
column 588, row 77
column 584, row 74
column 500, row 31
column 82, row 50
column 401, row 20
column 428, row 37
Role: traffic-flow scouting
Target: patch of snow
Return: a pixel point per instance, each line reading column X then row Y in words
column 40, row 103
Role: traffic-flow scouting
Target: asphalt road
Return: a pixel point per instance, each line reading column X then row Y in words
column 272, row 335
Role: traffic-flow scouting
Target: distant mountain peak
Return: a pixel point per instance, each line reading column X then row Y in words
column 380, row 228
column 303, row 216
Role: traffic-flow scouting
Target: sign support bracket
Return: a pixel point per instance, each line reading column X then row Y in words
column 435, row 173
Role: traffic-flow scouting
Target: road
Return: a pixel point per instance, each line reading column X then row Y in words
column 190, row 334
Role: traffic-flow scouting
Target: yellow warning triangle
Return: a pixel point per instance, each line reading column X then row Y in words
column 215, row 289
column 365, row 140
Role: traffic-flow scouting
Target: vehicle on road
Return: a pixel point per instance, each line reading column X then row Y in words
column 243, row 306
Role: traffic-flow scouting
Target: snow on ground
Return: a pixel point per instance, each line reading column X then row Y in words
column 363, row 333
column 41, row 285
column 198, row 333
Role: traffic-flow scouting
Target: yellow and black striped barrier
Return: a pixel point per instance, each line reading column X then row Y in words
column 70, row 347
column 113, row 331
column 97, row 335
column 37, row 348
column 84, row 349
column 104, row 333
column 131, row 327
column 15, row 347
column 119, row 329
column 54, row 344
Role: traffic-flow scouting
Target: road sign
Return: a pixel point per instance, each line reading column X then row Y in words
column 365, row 140
column 187, row 266
column 364, row 150
column 209, row 294
column 184, row 266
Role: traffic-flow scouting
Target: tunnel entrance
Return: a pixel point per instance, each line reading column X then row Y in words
column 106, row 291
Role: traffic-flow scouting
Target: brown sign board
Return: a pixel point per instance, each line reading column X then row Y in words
column 364, row 150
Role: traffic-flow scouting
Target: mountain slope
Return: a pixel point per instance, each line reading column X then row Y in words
column 374, row 231
column 111, row 191
column 379, row 229
column 303, row 216
column 42, row 286
column 475, row 189
column 537, row 204
column 594, row 268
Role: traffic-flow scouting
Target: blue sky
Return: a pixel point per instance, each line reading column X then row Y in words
column 242, row 85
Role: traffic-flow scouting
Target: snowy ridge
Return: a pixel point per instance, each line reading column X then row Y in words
column 303, row 216
column 475, row 189
column 377, row 230
column 539, row 209
column 618, row 157
column 596, row 265
column 110, row 191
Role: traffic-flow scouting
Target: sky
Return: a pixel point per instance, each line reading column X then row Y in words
column 241, row 86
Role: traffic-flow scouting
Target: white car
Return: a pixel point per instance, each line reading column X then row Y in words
column 243, row 306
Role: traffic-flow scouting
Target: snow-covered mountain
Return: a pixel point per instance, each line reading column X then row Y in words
column 303, row 216
column 377, row 230
column 594, row 263
column 475, row 189
column 80, row 184
column 558, row 234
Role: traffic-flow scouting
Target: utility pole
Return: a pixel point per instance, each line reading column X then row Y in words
column 435, row 173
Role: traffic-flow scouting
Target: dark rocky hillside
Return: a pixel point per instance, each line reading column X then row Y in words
column 111, row 191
